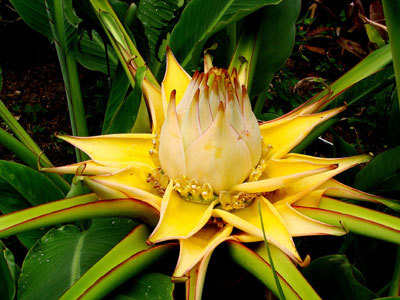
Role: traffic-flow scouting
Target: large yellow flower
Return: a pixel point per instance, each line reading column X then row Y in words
column 208, row 165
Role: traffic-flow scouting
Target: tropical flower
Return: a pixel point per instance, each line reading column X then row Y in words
column 208, row 165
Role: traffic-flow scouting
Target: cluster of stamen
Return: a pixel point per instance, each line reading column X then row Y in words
column 159, row 180
column 215, row 221
column 193, row 190
column 256, row 172
column 240, row 200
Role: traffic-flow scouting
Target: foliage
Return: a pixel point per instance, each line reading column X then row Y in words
column 91, row 248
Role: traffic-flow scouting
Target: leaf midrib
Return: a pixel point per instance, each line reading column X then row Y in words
column 76, row 259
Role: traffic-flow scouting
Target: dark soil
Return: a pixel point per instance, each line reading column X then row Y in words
column 36, row 98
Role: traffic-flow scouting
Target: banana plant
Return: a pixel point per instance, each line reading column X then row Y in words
column 208, row 173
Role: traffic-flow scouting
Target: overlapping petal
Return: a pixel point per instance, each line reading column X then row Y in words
column 179, row 218
column 283, row 135
column 116, row 150
column 196, row 247
column 132, row 182
column 209, row 158
column 248, row 220
column 88, row 167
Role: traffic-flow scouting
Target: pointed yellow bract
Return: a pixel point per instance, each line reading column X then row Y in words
column 175, row 78
column 116, row 150
column 88, row 167
column 248, row 220
column 154, row 99
column 132, row 182
column 196, row 247
column 179, row 219
column 283, row 135
column 300, row 225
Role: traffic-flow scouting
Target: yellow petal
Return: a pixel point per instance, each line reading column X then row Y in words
column 175, row 78
column 272, row 184
column 152, row 95
column 284, row 134
column 251, row 132
column 248, row 220
column 311, row 199
column 179, row 219
column 133, row 183
column 155, row 104
column 301, row 225
column 190, row 124
column 205, row 114
column 308, row 107
column 334, row 188
column 219, row 157
column 171, row 151
column 84, row 167
column 102, row 192
column 194, row 248
column 116, row 150
column 300, row 188
column 283, row 167
column 343, row 161
column 197, row 83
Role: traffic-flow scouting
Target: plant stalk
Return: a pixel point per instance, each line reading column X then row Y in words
column 395, row 285
column 391, row 9
column 69, row 71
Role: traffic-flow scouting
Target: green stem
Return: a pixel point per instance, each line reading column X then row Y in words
column 391, row 9
column 69, row 71
column 30, row 158
column 120, row 39
column 260, row 103
column 395, row 285
column 21, row 134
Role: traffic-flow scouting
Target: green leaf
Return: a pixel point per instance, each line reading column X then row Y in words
column 70, row 14
column 64, row 254
column 391, row 10
column 203, row 18
column 20, row 188
column 393, row 135
column 373, row 35
column 355, row 219
column 373, row 63
column 148, row 286
column 29, row 158
column 125, row 115
column 90, row 53
column 366, row 87
column 271, row 42
column 119, row 88
column 8, row 273
column 34, row 187
column 126, row 259
column 357, row 88
column 257, row 263
column 334, row 277
column 382, row 170
column 34, row 14
column 156, row 17
column 75, row 209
